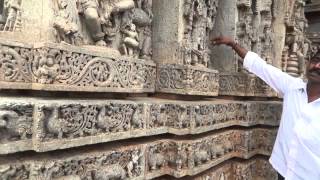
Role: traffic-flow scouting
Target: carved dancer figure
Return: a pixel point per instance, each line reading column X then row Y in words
column 89, row 9
column 299, row 128
column 130, row 42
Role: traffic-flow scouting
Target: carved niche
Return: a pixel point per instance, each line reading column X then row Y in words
column 124, row 25
column 199, row 19
column 297, row 46
column 254, row 25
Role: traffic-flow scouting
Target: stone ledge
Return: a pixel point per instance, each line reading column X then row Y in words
column 241, row 84
column 56, row 67
column 256, row 168
column 187, row 80
column 58, row 124
column 148, row 160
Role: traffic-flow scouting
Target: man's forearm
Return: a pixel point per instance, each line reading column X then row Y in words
column 239, row 50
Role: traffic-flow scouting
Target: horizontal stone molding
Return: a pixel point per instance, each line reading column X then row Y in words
column 243, row 84
column 255, row 168
column 48, row 124
column 187, row 80
column 174, row 157
column 56, row 67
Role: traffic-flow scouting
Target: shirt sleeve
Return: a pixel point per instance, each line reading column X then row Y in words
column 273, row 76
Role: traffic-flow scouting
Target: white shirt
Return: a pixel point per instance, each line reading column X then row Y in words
column 296, row 153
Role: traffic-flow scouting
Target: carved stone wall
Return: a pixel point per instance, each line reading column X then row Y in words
column 133, row 89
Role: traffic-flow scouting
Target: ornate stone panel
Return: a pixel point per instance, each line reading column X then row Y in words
column 189, row 80
column 16, row 125
column 174, row 157
column 46, row 125
column 65, row 68
column 242, row 84
column 297, row 46
column 257, row 168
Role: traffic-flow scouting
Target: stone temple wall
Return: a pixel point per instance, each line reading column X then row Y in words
column 133, row 89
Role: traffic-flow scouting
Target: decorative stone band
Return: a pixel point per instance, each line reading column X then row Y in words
column 147, row 160
column 56, row 67
column 257, row 168
column 242, row 84
column 58, row 124
column 187, row 80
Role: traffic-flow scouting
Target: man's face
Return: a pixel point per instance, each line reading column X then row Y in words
column 313, row 70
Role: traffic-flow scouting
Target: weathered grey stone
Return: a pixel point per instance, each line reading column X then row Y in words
column 65, row 68
column 59, row 124
column 242, row 84
column 147, row 160
column 16, row 125
column 188, row 80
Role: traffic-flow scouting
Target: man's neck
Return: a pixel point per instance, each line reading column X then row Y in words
column 313, row 90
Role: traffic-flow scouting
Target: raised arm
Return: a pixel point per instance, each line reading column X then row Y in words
column 273, row 76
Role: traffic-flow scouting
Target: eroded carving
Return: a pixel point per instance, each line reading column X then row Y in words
column 187, row 80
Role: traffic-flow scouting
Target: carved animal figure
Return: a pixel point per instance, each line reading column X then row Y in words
column 15, row 125
column 112, row 172
column 105, row 120
column 156, row 160
column 201, row 156
column 227, row 146
column 216, row 150
column 53, row 124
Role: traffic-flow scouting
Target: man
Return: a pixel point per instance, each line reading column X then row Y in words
column 296, row 153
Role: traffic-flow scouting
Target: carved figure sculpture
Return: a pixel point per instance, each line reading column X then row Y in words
column 89, row 9
column 130, row 42
column 136, row 119
column 48, row 67
column 111, row 172
column 15, row 125
column 67, row 30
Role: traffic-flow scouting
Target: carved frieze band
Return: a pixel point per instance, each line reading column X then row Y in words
column 56, row 124
column 257, row 168
column 242, row 84
column 177, row 158
column 64, row 68
column 185, row 79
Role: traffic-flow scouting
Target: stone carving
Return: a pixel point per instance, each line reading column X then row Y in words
column 72, row 70
column 67, row 30
column 63, row 125
column 124, row 25
column 254, row 28
column 199, row 18
column 14, row 172
column 181, row 79
column 249, row 169
column 241, row 84
column 177, row 158
column 15, row 122
column 297, row 46
column 12, row 15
